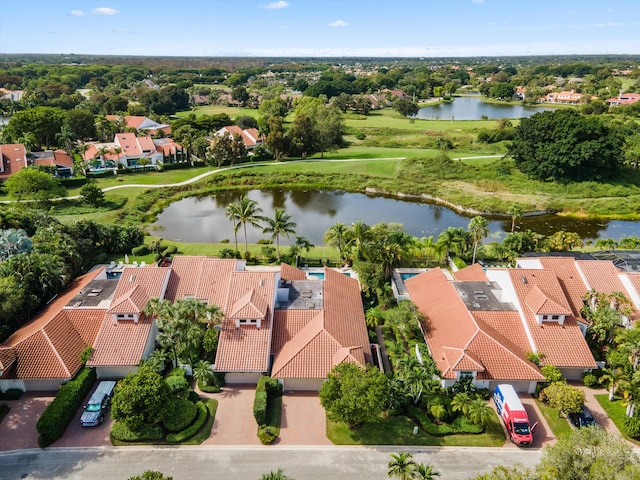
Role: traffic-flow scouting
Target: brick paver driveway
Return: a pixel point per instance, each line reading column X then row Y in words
column 234, row 423
column 18, row 429
column 303, row 420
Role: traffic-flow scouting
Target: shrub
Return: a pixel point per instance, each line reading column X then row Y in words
column 208, row 388
column 631, row 427
column 552, row 374
column 140, row 251
column 459, row 425
column 266, row 387
column 177, row 372
column 589, row 379
column 121, row 432
column 178, row 386
column 360, row 136
column 192, row 429
column 170, row 250
column 179, row 415
column 11, row 394
column 59, row 414
column 267, row 434
column 101, row 257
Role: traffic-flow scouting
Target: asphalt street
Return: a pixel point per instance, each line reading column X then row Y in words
column 249, row 463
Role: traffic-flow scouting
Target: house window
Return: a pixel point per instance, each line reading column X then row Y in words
column 555, row 317
column 125, row 316
column 466, row 374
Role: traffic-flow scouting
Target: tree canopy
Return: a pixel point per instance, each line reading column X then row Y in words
column 353, row 395
column 564, row 145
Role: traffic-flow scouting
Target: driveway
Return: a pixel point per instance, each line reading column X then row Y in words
column 303, row 420
column 542, row 436
column 234, row 423
column 596, row 409
column 18, row 429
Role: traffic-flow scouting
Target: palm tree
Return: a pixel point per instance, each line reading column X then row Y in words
column 374, row 317
column 479, row 412
column 303, row 243
column 231, row 214
column 479, row 228
column 337, row 236
column 29, row 140
column 417, row 379
column 280, row 224
column 612, row 377
column 202, row 372
column 425, row 472
column 359, row 233
column 460, row 403
column 629, row 342
column 65, row 138
column 515, row 211
column 243, row 212
column 401, row 466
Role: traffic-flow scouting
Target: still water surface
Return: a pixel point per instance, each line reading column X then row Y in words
column 473, row 108
column 202, row 220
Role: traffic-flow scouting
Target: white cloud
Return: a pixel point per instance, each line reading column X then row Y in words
column 276, row 5
column 105, row 11
column 76, row 13
column 338, row 23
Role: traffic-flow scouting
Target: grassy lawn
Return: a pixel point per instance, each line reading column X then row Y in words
column 398, row 430
column 233, row 112
column 616, row 412
column 559, row 425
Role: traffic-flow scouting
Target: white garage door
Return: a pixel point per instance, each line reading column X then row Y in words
column 310, row 384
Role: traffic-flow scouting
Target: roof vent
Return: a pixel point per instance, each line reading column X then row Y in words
column 524, row 280
column 132, row 278
column 261, row 282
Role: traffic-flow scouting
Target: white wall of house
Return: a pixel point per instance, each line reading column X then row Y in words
column 12, row 383
column 115, row 372
column 302, row 384
column 572, row 373
column 521, row 386
column 242, row 377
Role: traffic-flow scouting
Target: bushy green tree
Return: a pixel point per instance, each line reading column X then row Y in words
column 92, row 194
column 564, row 397
column 353, row 394
column 150, row 475
column 34, row 183
column 563, row 145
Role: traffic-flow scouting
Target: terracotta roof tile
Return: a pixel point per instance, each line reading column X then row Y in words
column 250, row 305
column 562, row 345
column 153, row 279
column 542, row 303
column 13, row 158
column 601, row 275
column 121, row 343
column 133, row 301
column 570, row 280
column 7, row 358
column 287, row 272
column 474, row 273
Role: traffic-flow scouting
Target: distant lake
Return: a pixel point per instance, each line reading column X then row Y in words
column 473, row 108
column 203, row 220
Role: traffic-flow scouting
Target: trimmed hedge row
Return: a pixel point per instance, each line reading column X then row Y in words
column 140, row 251
column 119, row 431
column 73, row 182
column 11, row 394
column 208, row 388
column 179, row 415
column 265, row 388
column 459, row 425
column 59, row 414
column 192, row 429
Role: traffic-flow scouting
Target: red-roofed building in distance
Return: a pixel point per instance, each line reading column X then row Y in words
column 142, row 124
column 276, row 321
column 624, row 99
column 250, row 136
column 13, row 158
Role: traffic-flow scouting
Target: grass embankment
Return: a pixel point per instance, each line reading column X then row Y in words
column 616, row 412
column 398, row 430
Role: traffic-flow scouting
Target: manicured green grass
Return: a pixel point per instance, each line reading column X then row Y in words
column 233, row 112
column 205, row 431
column 398, row 430
column 390, row 119
column 616, row 412
column 559, row 425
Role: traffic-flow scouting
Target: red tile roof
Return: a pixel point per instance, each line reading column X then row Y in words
column 542, row 303
column 459, row 339
column 570, row 280
column 287, row 272
column 13, row 158
column 133, row 301
column 120, row 343
column 203, row 278
column 601, row 276
column 474, row 273
column 129, row 144
column 562, row 345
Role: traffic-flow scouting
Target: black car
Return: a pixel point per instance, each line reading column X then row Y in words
column 582, row 419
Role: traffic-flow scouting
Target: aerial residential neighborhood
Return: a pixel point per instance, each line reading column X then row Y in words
column 300, row 240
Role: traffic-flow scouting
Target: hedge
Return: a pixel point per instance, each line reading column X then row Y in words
column 631, row 426
column 73, row 182
column 459, row 425
column 178, row 386
column 191, row 430
column 119, row 431
column 59, row 414
column 140, row 251
column 170, row 250
column 179, row 415
column 11, row 394
column 208, row 388
column 265, row 388
column 267, row 434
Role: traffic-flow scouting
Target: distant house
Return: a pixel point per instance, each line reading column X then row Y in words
column 14, row 159
column 199, row 100
column 59, row 159
column 624, row 99
column 566, row 97
column 142, row 124
column 395, row 93
column 520, row 93
column 128, row 150
column 11, row 95
column 275, row 321
column 250, row 136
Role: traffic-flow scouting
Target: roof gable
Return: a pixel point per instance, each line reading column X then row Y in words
column 541, row 303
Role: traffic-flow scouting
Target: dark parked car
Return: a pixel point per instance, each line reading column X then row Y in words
column 582, row 419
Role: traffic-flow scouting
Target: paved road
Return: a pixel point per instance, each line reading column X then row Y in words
column 248, row 463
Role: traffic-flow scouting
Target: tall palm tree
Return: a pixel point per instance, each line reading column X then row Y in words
column 65, row 138
column 425, row 472
column 337, row 236
column 515, row 211
column 243, row 212
column 479, row 412
column 612, row 377
column 460, row 403
column 401, row 466
column 280, row 224
column 29, row 140
column 479, row 228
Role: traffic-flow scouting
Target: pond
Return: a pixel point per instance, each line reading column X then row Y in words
column 473, row 108
column 203, row 220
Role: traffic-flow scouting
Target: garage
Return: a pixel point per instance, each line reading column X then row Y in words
column 302, row 384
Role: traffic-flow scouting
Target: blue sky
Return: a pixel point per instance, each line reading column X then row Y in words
column 416, row 28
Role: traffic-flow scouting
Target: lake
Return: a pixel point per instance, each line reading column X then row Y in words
column 473, row 108
column 202, row 220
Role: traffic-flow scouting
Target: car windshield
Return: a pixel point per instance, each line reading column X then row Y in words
column 521, row 428
column 93, row 407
